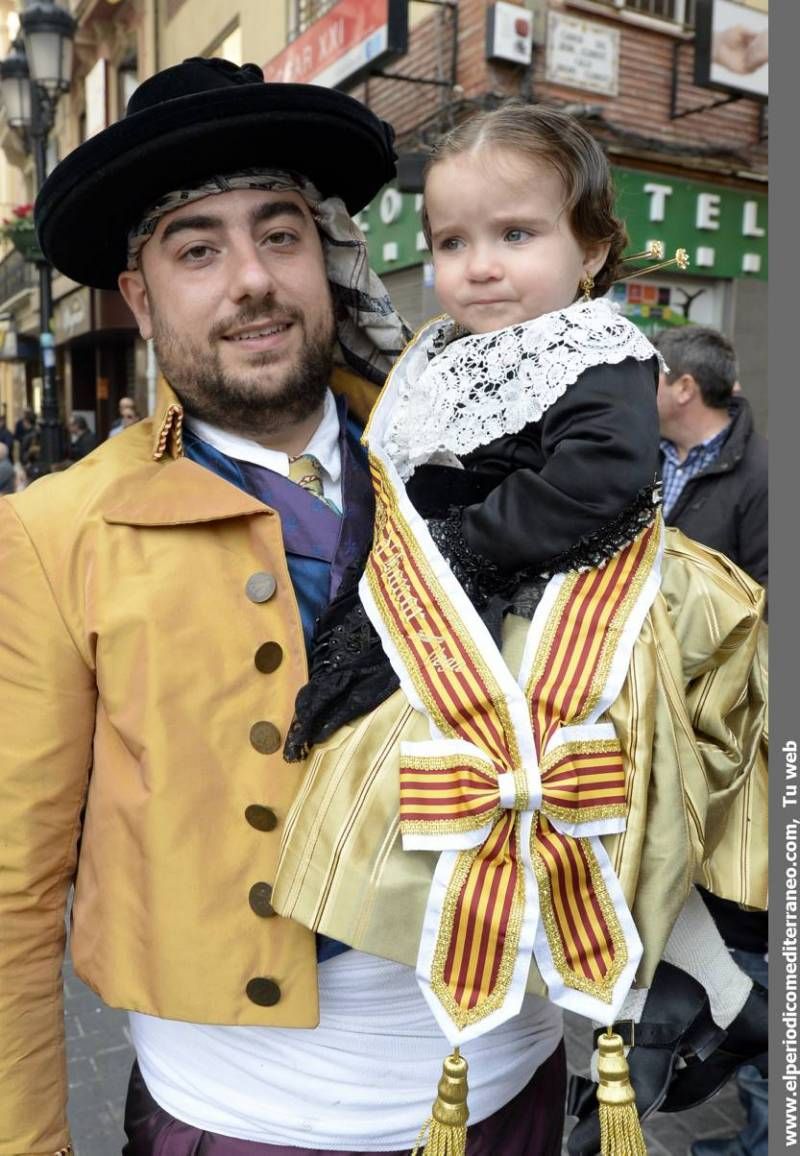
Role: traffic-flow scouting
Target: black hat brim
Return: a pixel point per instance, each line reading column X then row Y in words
column 93, row 198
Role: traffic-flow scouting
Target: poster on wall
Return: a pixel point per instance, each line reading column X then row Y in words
column 731, row 47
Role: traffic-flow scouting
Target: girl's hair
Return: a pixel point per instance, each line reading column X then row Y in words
column 547, row 134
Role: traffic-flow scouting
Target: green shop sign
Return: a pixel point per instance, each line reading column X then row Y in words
column 724, row 230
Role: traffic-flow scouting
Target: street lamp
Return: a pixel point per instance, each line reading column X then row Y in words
column 32, row 78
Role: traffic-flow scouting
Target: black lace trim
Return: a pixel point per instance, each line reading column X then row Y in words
column 480, row 578
column 483, row 580
column 349, row 674
column 600, row 547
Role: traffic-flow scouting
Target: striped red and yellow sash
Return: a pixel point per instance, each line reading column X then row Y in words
column 518, row 780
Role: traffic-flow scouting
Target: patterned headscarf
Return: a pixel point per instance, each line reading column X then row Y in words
column 370, row 331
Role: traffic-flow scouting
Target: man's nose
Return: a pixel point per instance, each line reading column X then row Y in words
column 251, row 273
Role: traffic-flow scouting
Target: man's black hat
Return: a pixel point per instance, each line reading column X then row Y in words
column 190, row 122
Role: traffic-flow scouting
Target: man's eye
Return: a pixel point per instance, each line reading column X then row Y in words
column 197, row 252
column 280, row 238
column 515, row 235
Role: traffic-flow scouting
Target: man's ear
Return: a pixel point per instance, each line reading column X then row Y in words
column 594, row 257
column 686, row 388
column 133, row 289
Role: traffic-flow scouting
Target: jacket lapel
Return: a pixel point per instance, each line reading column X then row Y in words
column 177, row 492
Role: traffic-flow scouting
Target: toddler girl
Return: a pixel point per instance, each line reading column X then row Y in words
column 514, row 454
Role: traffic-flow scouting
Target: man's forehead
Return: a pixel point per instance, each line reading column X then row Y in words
column 235, row 202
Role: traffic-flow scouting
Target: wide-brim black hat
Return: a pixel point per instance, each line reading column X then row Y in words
column 192, row 121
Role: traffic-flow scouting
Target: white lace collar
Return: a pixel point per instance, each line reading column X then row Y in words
column 483, row 386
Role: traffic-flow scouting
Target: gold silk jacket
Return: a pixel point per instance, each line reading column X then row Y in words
column 129, row 690
column 691, row 718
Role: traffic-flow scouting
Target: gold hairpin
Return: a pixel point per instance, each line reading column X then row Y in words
column 653, row 252
column 681, row 259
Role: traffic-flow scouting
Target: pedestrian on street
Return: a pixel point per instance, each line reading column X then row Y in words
column 164, row 593
column 128, row 415
column 713, row 462
column 8, row 477
column 6, row 436
column 24, row 432
column 82, row 440
column 715, row 475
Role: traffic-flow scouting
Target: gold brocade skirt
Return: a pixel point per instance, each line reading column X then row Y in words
column 692, row 720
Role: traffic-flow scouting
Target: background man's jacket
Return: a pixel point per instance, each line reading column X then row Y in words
column 725, row 506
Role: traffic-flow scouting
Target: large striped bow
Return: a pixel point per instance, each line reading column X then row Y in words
column 453, row 788
column 517, row 824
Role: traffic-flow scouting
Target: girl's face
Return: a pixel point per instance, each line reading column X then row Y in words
column 503, row 249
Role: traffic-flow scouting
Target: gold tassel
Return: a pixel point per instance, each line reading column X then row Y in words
column 446, row 1127
column 620, row 1129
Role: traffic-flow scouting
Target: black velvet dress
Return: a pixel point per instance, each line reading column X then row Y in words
column 564, row 492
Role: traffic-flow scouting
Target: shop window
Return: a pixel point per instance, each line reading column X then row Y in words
column 302, row 13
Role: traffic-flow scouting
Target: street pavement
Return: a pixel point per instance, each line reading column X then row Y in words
column 100, row 1056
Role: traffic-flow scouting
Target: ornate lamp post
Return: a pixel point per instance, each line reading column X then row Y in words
column 33, row 76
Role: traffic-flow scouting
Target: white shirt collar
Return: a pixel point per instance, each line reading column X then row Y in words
column 324, row 444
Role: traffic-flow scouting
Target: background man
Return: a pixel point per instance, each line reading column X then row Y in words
column 81, row 439
column 714, row 464
column 6, row 436
column 24, row 432
column 714, row 468
column 163, row 595
column 8, row 477
column 128, row 415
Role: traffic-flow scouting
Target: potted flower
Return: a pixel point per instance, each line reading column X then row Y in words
column 20, row 231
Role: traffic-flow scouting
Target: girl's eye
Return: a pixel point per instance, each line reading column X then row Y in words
column 515, row 235
column 448, row 244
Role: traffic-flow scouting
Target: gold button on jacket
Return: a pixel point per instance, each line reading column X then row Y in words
column 129, row 687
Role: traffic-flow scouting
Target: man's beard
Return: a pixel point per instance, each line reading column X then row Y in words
column 243, row 405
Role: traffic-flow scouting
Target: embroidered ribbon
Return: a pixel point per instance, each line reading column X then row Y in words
column 519, row 779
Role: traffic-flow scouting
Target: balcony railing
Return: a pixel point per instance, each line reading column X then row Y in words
column 676, row 11
column 302, row 13
column 16, row 275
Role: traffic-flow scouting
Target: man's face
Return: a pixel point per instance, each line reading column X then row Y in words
column 667, row 402
column 232, row 289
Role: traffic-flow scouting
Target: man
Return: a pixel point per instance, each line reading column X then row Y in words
column 8, row 475
column 82, row 440
column 128, row 415
column 6, row 436
column 715, row 476
column 162, row 596
column 24, row 432
column 714, row 464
